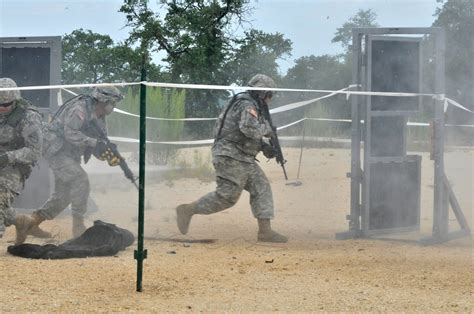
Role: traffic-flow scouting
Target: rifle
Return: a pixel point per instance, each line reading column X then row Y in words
column 97, row 132
column 274, row 142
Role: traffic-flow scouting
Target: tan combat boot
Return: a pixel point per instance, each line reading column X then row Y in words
column 78, row 226
column 184, row 213
column 23, row 224
column 266, row 234
column 35, row 230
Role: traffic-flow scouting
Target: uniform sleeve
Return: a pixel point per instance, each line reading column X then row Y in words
column 33, row 139
column 250, row 124
column 73, row 122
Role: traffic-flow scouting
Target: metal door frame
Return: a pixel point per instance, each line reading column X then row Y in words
column 443, row 193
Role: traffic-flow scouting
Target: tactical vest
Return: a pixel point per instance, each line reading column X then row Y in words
column 54, row 139
column 13, row 121
column 235, row 136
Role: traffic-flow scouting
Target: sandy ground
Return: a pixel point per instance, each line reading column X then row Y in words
column 313, row 272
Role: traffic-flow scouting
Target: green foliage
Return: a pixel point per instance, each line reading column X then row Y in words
column 94, row 58
column 363, row 18
column 326, row 72
column 162, row 103
column 197, row 166
column 457, row 17
column 257, row 52
column 322, row 72
column 192, row 33
column 201, row 46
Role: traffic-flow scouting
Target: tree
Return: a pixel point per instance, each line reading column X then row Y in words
column 363, row 18
column 200, row 44
column 162, row 102
column 457, row 17
column 94, row 58
column 192, row 34
column 327, row 72
column 257, row 52
column 322, row 72
column 319, row 72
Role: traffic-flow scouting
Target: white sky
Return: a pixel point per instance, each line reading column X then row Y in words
column 310, row 24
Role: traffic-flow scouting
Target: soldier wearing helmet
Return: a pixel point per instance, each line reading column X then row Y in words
column 21, row 140
column 67, row 139
column 238, row 138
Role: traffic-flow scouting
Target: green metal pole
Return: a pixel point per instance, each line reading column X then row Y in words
column 140, row 253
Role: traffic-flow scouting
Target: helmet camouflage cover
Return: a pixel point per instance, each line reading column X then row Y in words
column 106, row 94
column 261, row 80
column 8, row 95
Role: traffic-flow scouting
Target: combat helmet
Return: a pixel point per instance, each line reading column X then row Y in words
column 261, row 80
column 107, row 94
column 8, row 95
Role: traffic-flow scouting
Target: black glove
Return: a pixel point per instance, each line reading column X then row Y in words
column 268, row 151
column 100, row 149
column 104, row 151
column 3, row 160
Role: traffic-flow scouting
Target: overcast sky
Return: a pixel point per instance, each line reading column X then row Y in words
column 309, row 24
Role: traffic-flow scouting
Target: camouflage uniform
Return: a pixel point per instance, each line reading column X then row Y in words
column 238, row 134
column 238, row 137
column 21, row 141
column 66, row 141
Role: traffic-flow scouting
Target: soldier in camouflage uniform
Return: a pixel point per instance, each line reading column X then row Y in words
column 67, row 138
column 238, row 137
column 21, row 140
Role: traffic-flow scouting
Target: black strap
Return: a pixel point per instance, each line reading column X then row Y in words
column 67, row 103
column 234, row 100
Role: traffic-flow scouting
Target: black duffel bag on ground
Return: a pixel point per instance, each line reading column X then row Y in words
column 102, row 239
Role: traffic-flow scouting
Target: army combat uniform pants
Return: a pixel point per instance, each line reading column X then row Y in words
column 232, row 177
column 71, row 186
column 11, row 184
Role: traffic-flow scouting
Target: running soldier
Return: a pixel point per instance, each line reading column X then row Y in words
column 68, row 138
column 238, row 137
column 21, row 141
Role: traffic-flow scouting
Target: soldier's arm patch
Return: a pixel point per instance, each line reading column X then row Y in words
column 81, row 115
column 34, row 137
column 253, row 112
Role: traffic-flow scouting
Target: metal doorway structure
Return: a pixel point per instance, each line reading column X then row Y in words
column 385, row 185
column 34, row 61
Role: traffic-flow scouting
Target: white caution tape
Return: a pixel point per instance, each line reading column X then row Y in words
column 224, row 87
column 42, row 87
column 138, row 116
column 456, row 104
column 409, row 123
column 306, row 102
column 197, row 142
column 272, row 111
column 70, row 91
column 211, row 141
column 324, row 91
column 60, row 99
column 219, row 87
column 291, row 124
